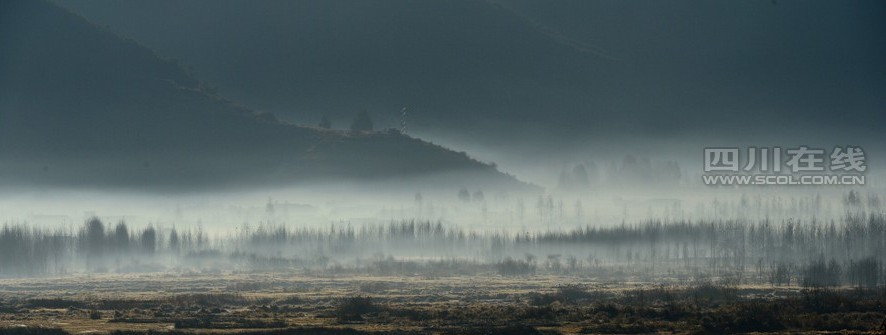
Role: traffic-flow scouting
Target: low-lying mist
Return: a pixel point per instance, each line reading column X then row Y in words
column 675, row 235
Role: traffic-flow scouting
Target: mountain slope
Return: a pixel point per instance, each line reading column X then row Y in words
column 463, row 66
column 570, row 71
column 81, row 106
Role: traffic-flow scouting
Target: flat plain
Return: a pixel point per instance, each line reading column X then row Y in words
column 324, row 303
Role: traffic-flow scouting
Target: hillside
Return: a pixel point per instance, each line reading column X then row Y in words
column 554, row 72
column 82, row 106
column 464, row 66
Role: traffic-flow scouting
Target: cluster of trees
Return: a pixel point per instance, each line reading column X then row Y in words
column 467, row 196
column 579, row 179
column 856, row 199
column 758, row 207
column 847, row 252
column 31, row 251
column 630, row 171
column 96, row 241
column 361, row 122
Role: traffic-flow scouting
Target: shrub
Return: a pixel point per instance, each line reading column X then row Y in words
column 32, row 331
column 353, row 308
column 511, row 267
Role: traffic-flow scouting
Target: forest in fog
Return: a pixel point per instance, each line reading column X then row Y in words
column 848, row 249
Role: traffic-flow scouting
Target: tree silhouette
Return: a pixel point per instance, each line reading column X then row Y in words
column 325, row 123
column 580, row 177
column 149, row 240
column 94, row 236
column 464, row 195
column 362, row 122
column 121, row 237
column 174, row 241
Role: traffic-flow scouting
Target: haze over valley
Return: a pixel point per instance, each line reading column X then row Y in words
column 441, row 167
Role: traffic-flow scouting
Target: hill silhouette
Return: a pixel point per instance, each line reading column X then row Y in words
column 482, row 71
column 83, row 106
column 464, row 66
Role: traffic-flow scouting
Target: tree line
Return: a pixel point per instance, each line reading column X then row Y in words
column 848, row 251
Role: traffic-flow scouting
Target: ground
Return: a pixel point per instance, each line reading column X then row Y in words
column 301, row 302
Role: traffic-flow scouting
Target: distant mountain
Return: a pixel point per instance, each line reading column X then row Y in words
column 463, row 66
column 81, row 106
column 545, row 71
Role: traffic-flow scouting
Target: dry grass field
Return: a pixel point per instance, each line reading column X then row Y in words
column 305, row 303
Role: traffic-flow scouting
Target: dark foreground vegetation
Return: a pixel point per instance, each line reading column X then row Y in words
column 369, row 306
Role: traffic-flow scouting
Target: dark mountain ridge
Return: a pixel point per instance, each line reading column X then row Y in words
column 464, row 66
column 80, row 106
column 554, row 72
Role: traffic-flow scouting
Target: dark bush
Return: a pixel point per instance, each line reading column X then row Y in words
column 32, row 331
column 511, row 267
column 353, row 308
